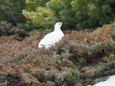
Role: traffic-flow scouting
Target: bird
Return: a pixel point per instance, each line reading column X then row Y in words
column 53, row 37
column 109, row 82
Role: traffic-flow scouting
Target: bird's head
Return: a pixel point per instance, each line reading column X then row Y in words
column 58, row 25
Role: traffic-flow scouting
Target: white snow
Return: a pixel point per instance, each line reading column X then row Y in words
column 53, row 37
column 109, row 82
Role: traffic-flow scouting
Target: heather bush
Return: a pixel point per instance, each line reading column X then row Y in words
column 7, row 29
column 79, row 59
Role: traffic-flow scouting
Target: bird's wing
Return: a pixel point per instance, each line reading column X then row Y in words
column 46, row 40
column 50, row 39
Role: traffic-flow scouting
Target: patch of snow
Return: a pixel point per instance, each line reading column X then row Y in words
column 109, row 82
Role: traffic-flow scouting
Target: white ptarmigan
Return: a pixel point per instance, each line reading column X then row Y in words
column 53, row 37
column 109, row 82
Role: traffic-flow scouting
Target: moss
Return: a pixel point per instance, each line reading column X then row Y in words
column 70, row 80
column 48, row 67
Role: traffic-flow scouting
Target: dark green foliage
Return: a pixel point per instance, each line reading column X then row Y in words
column 41, row 2
column 75, row 14
column 92, row 13
column 70, row 79
column 11, row 11
column 28, row 26
column 31, row 5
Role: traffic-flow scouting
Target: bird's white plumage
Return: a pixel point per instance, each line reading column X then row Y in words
column 109, row 82
column 53, row 37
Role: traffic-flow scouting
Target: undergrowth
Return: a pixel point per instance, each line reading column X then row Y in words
column 79, row 59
